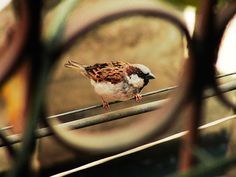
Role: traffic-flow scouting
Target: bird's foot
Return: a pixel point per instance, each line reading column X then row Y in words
column 138, row 97
column 105, row 105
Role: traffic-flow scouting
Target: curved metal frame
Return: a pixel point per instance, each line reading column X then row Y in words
column 211, row 27
column 224, row 17
column 82, row 143
column 11, row 58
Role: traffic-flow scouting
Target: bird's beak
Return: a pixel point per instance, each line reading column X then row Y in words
column 150, row 76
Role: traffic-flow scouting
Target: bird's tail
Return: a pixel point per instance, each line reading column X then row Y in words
column 76, row 65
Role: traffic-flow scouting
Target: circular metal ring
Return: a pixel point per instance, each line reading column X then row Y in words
column 223, row 20
column 166, row 114
column 12, row 57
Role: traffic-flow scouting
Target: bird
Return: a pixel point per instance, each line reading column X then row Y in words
column 115, row 80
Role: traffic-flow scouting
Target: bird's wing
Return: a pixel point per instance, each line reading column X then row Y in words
column 113, row 72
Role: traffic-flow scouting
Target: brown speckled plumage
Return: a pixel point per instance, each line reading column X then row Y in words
column 107, row 72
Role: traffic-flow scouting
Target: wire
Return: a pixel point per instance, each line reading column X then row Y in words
column 167, row 89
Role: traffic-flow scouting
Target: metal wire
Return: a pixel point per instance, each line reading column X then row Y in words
column 147, row 107
column 167, row 89
column 5, row 142
column 225, row 75
column 94, row 120
column 100, row 105
column 143, row 147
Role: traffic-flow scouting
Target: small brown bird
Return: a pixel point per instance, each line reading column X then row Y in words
column 115, row 80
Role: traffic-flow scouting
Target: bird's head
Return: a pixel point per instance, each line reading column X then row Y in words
column 142, row 71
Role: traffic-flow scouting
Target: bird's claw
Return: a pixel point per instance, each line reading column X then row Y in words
column 138, row 97
column 105, row 105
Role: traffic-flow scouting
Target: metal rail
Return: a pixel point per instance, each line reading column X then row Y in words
column 143, row 147
column 111, row 116
column 164, row 90
column 199, row 73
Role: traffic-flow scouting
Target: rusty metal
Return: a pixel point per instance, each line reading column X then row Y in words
column 11, row 56
column 202, row 57
column 199, row 70
column 27, row 47
column 222, row 20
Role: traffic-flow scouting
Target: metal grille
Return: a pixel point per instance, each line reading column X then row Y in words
column 200, row 81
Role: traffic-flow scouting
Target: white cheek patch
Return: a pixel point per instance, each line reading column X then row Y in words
column 135, row 81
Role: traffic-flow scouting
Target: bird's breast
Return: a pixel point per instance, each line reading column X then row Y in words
column 121, row 91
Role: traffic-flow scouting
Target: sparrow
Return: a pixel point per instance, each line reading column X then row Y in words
column 117, row 81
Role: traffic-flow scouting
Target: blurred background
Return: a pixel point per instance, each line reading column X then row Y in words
column 153, row 42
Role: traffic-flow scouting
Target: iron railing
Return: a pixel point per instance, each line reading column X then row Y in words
column 25, row 45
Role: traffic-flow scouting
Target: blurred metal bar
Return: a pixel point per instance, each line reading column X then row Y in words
column 4, row 140
column 13, row 48
column 94, row 120
column 225, row 75
column 6, row 128
column 141, row 148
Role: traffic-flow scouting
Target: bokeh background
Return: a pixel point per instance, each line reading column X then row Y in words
column 152, row 42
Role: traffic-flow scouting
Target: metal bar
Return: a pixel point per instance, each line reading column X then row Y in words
column 141, row 148
column 6, row 128
column 22, row 166
column 12, row 50
column 85, row 122
column 167, row 89
column 114, row 102
column 4, row 140
column 203, row 61
column 225, row 75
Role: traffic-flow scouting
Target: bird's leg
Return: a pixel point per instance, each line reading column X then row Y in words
column 105, row 104
column 138, row 97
